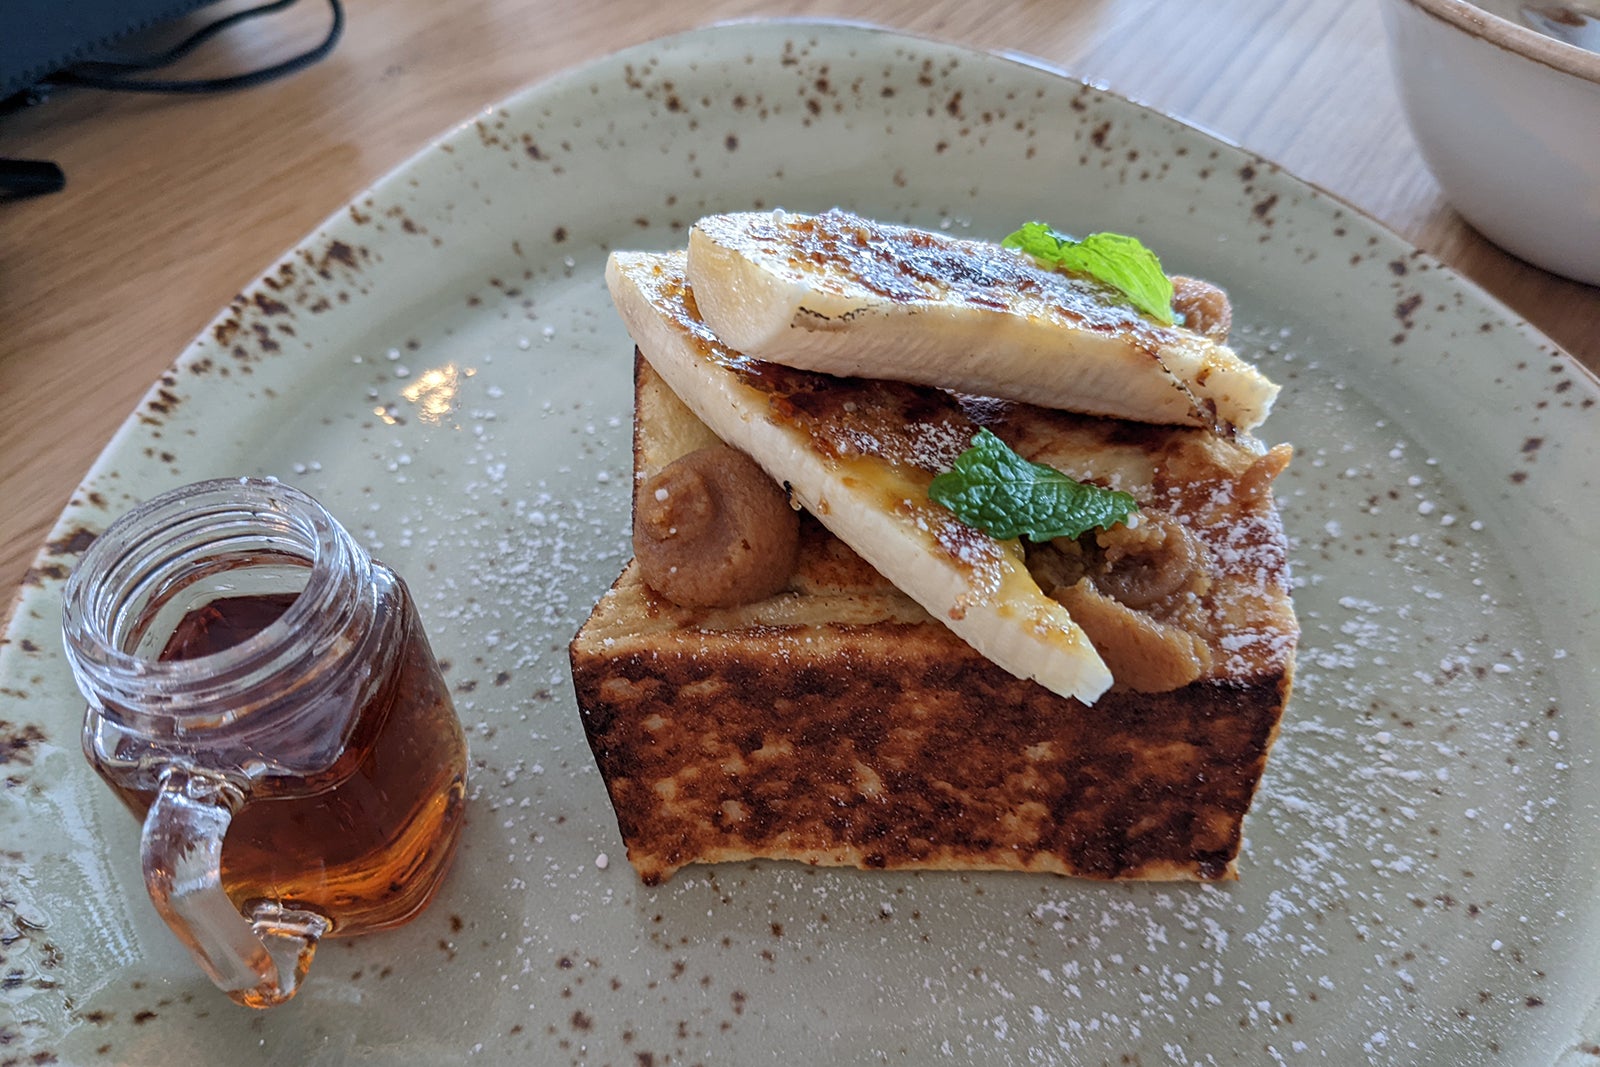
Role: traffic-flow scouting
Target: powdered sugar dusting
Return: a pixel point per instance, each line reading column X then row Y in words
column 1374, row 874
column 1417, row 770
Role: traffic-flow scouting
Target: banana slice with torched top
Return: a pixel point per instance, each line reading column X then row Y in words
column 860, row 454
column 840, row 294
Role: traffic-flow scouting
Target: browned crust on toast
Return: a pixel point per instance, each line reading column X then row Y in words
column 897, row 745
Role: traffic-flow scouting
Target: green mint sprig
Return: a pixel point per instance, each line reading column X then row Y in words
column 1006, row 496
column 1121, row 262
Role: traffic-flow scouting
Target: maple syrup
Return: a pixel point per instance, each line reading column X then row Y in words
column 262, row 695
column 367, row 841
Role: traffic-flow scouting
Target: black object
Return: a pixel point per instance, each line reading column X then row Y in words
column 40, row 37
column 29, row 177
column 122, row 75
column 44, row 43
column 49, row 43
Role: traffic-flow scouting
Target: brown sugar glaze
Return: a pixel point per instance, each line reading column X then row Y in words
column 366, row 842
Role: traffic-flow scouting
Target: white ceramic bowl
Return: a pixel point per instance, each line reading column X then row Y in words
column 1509, row 121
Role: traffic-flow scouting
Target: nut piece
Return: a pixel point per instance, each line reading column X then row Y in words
column 1204, row 307
column 712, row 530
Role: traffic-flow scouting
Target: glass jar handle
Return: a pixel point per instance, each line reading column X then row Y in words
column 258, row 962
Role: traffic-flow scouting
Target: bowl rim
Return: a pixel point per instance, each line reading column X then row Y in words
column 1523, row 40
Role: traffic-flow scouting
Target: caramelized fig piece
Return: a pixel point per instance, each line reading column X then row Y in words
column 1259, row 476
column 712, row 530
column 1144, row 654
column 1148, row 562
column 1204, row 307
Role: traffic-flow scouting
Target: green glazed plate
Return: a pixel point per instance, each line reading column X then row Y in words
column 440, row 366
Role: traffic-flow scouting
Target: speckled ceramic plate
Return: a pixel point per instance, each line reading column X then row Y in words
column 441, row 366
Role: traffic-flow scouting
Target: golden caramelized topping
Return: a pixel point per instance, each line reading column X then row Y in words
column 1207, row 555
column 1257, row 479
column 890, row 437
column 907, row 265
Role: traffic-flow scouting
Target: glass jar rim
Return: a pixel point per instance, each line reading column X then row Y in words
column 174, row 530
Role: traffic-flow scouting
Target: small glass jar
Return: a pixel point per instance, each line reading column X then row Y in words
column 261, row 693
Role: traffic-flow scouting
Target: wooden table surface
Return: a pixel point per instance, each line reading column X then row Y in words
column 174, row 205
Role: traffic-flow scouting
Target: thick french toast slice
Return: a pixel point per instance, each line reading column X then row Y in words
column 838, row 723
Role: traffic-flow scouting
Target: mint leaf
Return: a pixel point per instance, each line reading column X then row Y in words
column 1121, row 262
column 1006, row 496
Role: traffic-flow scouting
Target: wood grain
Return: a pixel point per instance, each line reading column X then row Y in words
column 175, row 204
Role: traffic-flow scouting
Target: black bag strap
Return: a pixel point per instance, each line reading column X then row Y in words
column 122, row 75
column 24, row 177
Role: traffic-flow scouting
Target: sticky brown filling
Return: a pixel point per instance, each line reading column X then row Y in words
column 1135, row 590
column 712, row 530
column 1205, row 307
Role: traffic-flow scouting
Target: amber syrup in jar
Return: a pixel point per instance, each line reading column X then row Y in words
column 367, row 841
column 233, row 630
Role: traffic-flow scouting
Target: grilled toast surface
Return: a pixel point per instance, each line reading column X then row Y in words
column 838, row 723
